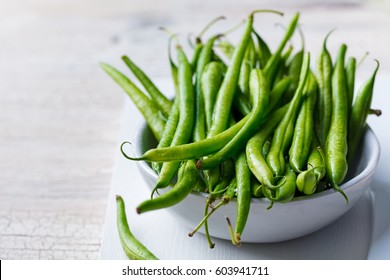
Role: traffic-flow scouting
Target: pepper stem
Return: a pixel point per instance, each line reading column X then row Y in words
column 231, row 232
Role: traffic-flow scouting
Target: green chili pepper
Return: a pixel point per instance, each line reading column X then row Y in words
column 188, row 177
column 208, row 85
column 271, row 67
column 336, row 142
column 293, row 69
column 260, row 88
column 191, row 150
column 197, row 50
column 256, row 189
column 243, row 177
column 186, row 119
column 162, row 102
column 350, row 73
column 308, row 180
column 262, row 49
column 212, row 77
column 285, row 192
column 205, row 57
column 281, row 67
column 246, row 66
column 221, row 114
column 227, row 174
column 133, row 248
column 324, row 104
column 283, row 133
column 147, row 107
column 255, row 157
column 169, row 131
column 303, row 131
column 360, row 110
column 226, row 93
column 277, row 93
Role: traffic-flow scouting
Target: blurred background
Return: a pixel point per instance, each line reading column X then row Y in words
column 60, row 115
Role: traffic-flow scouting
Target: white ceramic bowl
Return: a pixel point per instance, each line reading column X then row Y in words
column 284, row 221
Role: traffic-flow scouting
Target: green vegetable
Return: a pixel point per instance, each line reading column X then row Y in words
column 133, row 248
column 336, row 146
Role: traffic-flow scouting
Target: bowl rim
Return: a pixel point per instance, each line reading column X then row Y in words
column 366, row 172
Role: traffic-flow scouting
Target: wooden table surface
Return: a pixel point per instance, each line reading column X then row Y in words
column 60, row 114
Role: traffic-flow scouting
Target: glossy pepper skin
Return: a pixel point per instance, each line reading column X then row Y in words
column 188, row 178
column 336, row 145
column 183, row 131
column 255, row 158
column 359, row 113
column 260, row 89
column 285, row 192
column 303, row 130
column 324, row 67
column 133, row 248
column 308, row 180
column 283, row 132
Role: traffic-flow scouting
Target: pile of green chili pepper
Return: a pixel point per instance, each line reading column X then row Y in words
column 247, row 122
